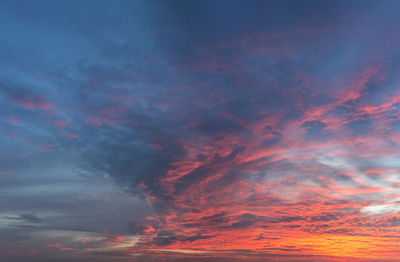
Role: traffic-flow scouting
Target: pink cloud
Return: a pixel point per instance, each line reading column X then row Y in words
column 57, row 246
column 61, row 123
column 72, row 135
column 32, row 102
column 6, row 172
column 13, row 119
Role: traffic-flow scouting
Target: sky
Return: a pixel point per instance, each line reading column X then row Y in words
column 223, row 130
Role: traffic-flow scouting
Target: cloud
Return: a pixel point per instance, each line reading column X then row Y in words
column 248, row 131
column 27, row 98
column 25, row 218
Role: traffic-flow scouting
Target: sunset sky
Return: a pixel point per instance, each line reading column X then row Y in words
column 199, row 130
